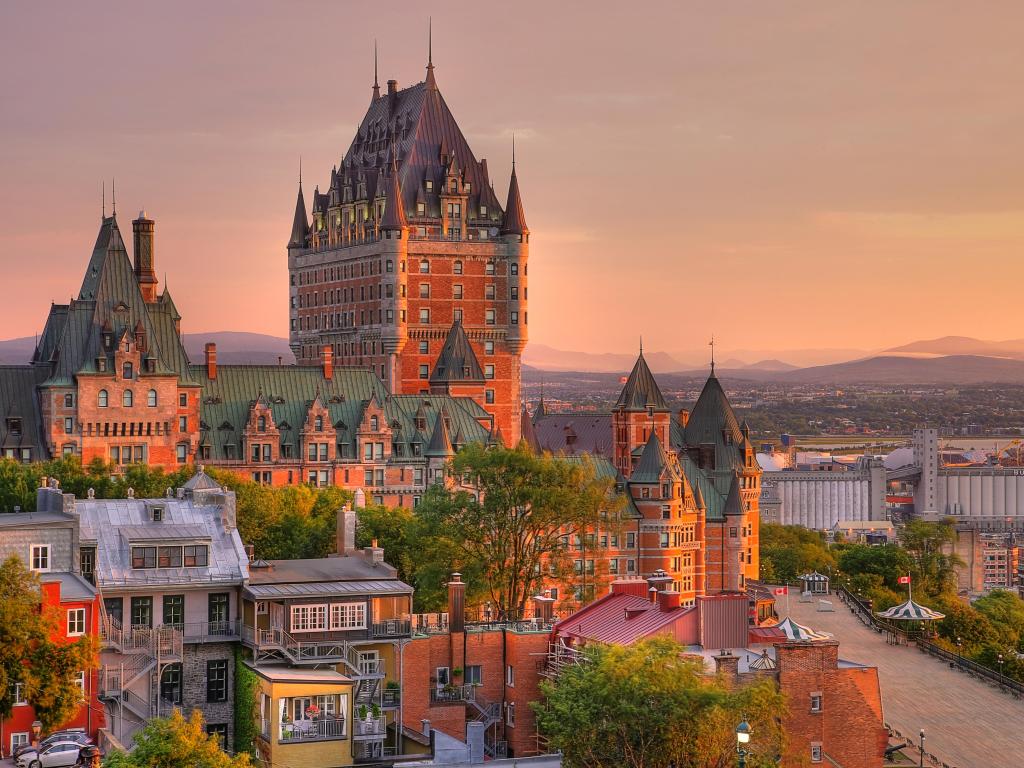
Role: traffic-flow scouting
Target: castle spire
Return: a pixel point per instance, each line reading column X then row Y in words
column 300, row 224
column 431, row 84
column 515, row 219
column 376, row 85
column 394, row 209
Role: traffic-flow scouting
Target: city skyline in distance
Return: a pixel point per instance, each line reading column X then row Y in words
column 690, row 170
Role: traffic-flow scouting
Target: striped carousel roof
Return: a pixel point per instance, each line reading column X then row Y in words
column 814, row 576
column 910, row 611
column 799, row 632
column 763, row 662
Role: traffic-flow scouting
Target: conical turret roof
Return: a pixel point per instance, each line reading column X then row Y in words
column 300, row 224
column 641, row 391
column 440, row 444
column 654, row 463
column 394, row 210
column 713, row 421
column 457, row 361
column 515, row 218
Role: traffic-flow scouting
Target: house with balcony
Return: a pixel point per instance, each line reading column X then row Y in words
column 325, row 637
column 169, row 572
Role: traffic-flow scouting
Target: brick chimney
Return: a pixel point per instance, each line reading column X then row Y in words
column 457, row 603
column 328, row 355
column 145, row 266
column 211, row 361
column 684, row 417
column 727, row 664
column 669, row 600
column 392, row 87
column 346, row 531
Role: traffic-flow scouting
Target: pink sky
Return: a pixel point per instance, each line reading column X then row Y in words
column 779, row 174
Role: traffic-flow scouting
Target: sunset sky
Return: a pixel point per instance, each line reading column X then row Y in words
column 782, row 175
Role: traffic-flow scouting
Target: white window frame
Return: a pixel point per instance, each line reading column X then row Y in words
column 346, row 616
column 76, row 622
column 443, row 675
column 19, row 701
column 80, row 682
column 44, row 551
column 510, row 715
column 20, row 739
column 309, row 611
column 817, row 702
column 510, row 676
column 816, row 753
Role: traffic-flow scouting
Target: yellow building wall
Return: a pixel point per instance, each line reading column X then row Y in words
column 322, row 754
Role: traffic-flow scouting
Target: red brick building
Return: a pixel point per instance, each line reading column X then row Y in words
column 407, row 242
column 48, row 542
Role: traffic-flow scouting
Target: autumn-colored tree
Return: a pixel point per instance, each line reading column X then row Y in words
column 33, row 655
column 174, row 742
column 647, row 706
column 513, row 525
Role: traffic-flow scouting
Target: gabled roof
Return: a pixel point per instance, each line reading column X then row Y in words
column 654, row 463
column 457, row 361
column 300, row 224
column 641, row 391
column 619, row 618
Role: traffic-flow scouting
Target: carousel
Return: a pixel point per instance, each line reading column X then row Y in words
column 798, row 632
column 909, row 611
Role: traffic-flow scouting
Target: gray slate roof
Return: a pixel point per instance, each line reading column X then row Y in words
column 641, row 390
column 457, row 361
column 111, row 523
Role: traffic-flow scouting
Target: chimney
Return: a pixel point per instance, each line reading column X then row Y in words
column 250, row 552
column 211, row 361
column 145, row 266
column 543, row 606
column 425, row 726
column 360, row 498
column 669, row 600
column 684, row 417
column 658, row 581
column 457, row 603
column 392, row 87
column 653, row 594
column 727, row 664
column 328, row 356
column 346, row 531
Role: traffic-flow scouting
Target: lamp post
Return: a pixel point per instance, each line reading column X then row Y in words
column 921, row 748
column 959, row 648
column 37, row 729
column 742, row 739
column 1000, row 670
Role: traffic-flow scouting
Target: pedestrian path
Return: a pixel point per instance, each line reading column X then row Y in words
column 967, row 723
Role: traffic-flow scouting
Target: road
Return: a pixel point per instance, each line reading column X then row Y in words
column 967, row 723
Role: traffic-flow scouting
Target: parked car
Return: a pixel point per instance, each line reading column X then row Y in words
column 80, row 737
column 57, row 755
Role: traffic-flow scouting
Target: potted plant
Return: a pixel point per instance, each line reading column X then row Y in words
column 362, row 712
column 375, row 711
column 313, row 712
column 286, row 725
column 392, row 685
column 457, row 672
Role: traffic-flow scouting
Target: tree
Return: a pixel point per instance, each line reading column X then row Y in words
column 1006, row 613
column 510, row 529
column 788, row 551
column 648, row 706
column 172, row 742
column 933, row 569
column 31, row 653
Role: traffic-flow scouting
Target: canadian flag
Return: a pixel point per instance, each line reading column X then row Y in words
column 904, row 580
column 781, row 590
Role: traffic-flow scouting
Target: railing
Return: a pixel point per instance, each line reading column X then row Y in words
column 392, row 628
column 391, row 698
column 430, row 623
column 371, row 726
column 320, row 729
column 210, row 631
column 451, row 694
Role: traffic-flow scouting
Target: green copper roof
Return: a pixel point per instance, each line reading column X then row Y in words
column 641, row 391
column 654, row 463
column 713, row 421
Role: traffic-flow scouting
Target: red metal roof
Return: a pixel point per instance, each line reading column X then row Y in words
column 618, row 618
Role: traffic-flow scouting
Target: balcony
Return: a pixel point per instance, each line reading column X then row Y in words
column 392, row 698
column 392, row 628
column 452, row 694
column 210, row 631
column 320, row 729
column 369, row 728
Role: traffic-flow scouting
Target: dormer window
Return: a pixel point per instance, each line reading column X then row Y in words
column 127, row 370
column 421, row 209
column 14, row 426
column 158, row 514
column 483, row 210
column 374, row 424
column 467, row 188
column 430, row 185
column 106, row 339
column 318, row 424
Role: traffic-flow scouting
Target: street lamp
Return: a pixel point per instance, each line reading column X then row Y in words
column 1000, row 668
column 37, row 729
column 959, row 648
column 921, row 748
column 742, row 739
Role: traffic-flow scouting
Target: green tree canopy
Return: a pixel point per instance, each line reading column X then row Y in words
column 45, row 667
column 648, row 706
column 788, row 551
column 509, row 528
column 174, row 742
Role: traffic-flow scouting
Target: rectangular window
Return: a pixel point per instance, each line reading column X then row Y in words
column 174, row 610
column 489, row 317
column 488, row 347
column 114, row 606
column 217, row 680
column 76, row 622
column 143, row 557
column 219, row 608
column 510, row 714
column 168, row 557
column 489, row 291
column 456, row 291
column 664, row 540
column 488, row 371
column 443, row 676
column 630, row 540
column 183, row 400
column 513, row 318
column 510, row 676
column 815, row 753
column 40, row 557
column 19, row 695
column 457, row 315
column 424, row 347
column 142, row 612
column 220, row 730
column 20, row 739
column 309, row 618
column 424, row 371
column 197, row 556
column 425, row 315
column 489, row 396
column 348, row 616
column 424, row 290
column 815, row 702
column 183, row 423
column 474, row 674
column 69, row 425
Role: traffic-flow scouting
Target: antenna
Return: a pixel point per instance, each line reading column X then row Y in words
column 113, row 195
column 513, row 150
column 712, row 345
column 104, row 200
column 430, row 41
column 376, row 85
column 300, row 171
column 641, row 343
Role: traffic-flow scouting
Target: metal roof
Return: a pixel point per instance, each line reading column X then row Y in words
column 327, row 589
column 619, row 618
column 161, row 532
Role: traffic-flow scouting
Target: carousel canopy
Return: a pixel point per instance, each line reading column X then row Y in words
column 815, row 576
column 910, row 611
column 763, row 662
column 799, row 632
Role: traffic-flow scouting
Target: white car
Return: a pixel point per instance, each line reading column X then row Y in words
column 56, row 755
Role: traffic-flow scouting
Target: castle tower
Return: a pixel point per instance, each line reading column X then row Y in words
column 145, row 266
column 408, row 241
column 640, row 411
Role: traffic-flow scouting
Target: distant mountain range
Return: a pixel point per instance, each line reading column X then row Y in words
column 950, row 360
column 232, row 347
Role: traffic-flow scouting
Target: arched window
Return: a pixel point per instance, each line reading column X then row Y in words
column 151, row 398
column 374, row 424
column 102, row 398
column 126, row 370
column 261, row 423
column 318, row 423
column 127, row 399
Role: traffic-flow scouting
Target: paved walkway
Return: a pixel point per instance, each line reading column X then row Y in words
column 967, row 723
